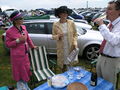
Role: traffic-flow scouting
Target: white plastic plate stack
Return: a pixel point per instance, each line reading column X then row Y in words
column 59, row 81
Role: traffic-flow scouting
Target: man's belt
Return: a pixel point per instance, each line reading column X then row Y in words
column 108, row 55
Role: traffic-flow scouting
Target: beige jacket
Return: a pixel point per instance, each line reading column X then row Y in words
column 72, row 37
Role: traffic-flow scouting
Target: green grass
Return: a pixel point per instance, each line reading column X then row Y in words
column 5, row 66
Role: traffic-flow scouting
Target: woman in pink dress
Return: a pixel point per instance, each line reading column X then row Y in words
column 18, row 41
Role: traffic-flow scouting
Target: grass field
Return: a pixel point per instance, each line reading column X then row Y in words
column 5, row 66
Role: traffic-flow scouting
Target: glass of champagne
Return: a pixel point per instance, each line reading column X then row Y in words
column 70, row 72
column 78, row 70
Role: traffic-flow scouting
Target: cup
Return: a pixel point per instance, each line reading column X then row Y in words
column 70, row 72
column 78, row 70
column 49, row 80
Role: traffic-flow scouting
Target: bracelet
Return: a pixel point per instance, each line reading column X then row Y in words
column 17, row 40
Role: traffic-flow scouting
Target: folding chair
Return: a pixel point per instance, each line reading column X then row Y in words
column 39, row 63
column 93, row 64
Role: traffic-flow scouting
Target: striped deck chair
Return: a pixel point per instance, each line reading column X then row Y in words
column 39, row 63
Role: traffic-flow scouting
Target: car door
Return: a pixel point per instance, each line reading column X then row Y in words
column 38, row 33
column 51, row 43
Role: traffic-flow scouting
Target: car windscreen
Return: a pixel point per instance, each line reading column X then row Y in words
column 80, row 30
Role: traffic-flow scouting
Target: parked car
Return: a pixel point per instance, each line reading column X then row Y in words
column 75, row 15
column 98, row 15
column 9, row 11
column 78, row 20
column 40, row 32
column 89, row 16
column 85, row 13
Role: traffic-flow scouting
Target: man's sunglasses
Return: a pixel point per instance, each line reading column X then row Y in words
column 116, row 1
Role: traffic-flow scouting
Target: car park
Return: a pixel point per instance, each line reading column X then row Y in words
column 40, row 32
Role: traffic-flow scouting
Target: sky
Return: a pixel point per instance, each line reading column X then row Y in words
column 48, row 4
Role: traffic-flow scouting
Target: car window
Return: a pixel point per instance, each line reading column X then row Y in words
column 36, row 28
column 49, row 28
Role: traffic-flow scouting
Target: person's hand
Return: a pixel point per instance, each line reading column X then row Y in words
column 22, row 38
column 35, row 47
column 75, row 46
column 98, row 21
column 60, row 35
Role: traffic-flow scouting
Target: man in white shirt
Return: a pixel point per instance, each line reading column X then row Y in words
column 108, row 62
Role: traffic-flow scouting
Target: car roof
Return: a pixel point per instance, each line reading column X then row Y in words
column 87, row 26
column 40, row 20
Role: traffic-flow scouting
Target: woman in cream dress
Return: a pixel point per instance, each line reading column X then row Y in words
column 64, row 32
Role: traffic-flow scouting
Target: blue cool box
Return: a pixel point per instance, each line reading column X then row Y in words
column 4, row 88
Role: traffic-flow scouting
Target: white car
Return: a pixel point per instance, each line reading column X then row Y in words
column 89, row 41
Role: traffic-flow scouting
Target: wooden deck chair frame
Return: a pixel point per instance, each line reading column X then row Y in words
column 39, row 63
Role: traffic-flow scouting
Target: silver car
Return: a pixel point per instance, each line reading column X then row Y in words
column 89, row 41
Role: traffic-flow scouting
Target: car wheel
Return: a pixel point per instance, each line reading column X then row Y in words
column 92, row 52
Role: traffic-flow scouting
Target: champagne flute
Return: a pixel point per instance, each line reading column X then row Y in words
column 78, row 70
column 70, row 72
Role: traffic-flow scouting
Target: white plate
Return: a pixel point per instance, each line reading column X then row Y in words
column 59, row 81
